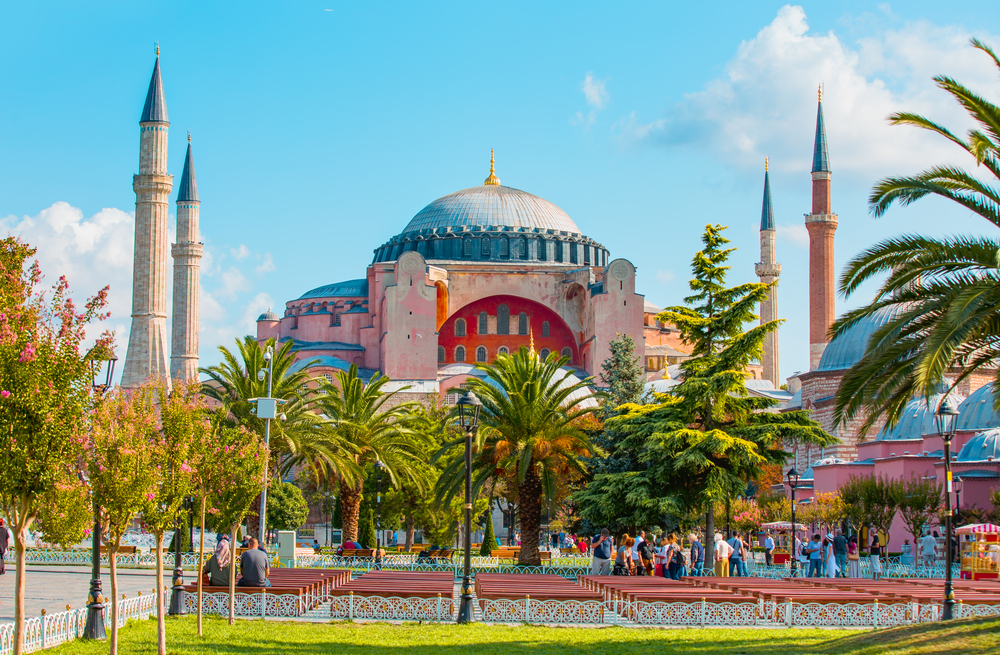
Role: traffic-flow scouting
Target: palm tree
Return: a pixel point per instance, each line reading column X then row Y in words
column 939, row 304
column 367, row 428
column 530, row 434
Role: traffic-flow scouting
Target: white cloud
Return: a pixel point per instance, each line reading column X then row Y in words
column 257, row 306
column 233, row 283
column 665, row 277
column 594, row 91
column 240, row 253
column 266, row 264
column 765, row 103
column 795, row 234
column 585, row 120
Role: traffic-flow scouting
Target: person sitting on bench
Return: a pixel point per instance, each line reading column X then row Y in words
column 217, row 567
column 255, row 567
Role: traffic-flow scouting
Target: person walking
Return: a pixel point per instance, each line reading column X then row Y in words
column 4, row 545
column 829, row 557
column 697, row 556
column 874, row 552
column 840, row 550
column 602, row 546
column 768, row 549
column 928, row 550
column 736, row 555
column 815, row 552
column 722, row 552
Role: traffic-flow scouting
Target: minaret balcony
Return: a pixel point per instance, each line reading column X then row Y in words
column 767, row 269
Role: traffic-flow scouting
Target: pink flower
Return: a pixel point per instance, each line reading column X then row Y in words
column 28, row 354
column 150, row 496
column 5, row 393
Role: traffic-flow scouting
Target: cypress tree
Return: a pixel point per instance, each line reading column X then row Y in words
column 368, row 538
column 622, row 373
column 490, row 538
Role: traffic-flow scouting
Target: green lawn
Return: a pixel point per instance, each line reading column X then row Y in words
column 965, row 637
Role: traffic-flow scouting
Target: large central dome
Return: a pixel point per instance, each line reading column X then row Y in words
column 491, row 205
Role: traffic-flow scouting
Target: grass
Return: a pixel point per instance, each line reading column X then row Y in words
column 964, row 637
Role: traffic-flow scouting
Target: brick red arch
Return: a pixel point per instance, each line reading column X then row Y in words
column 559, row 337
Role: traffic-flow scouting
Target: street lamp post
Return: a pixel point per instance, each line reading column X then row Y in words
column 177, row 592
column 103, row 366
column 947, row 415
column 957, row 483
column 267, row 409
column 793, row 481
column 378, row 513
column 468, row 420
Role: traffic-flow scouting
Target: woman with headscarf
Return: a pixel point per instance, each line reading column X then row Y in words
column 217, row 566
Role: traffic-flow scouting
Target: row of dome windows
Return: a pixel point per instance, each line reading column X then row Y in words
column 503, row 323
column 503, row 247
column 482, row 353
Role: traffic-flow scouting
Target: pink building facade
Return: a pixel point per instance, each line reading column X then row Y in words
column 474, row 274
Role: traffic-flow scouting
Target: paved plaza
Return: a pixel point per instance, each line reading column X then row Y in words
column 53, row 587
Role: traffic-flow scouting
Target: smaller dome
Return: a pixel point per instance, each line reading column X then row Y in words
column 847, row 349
column 977, row 412
column 346, row 289
column 268, row 316
column 981, row 447
column 918, row 418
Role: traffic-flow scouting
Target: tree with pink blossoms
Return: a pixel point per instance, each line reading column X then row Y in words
column 122, row 471
column 45, row 392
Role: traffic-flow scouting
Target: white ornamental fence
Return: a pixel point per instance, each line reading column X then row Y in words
column 49, row 630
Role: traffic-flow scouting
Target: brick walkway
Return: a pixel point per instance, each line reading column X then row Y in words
column 53, row 587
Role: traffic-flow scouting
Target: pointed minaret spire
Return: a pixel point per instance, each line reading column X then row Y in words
column 768, row 269
column 822, row 224
column 492, row 179
column 187, row 254
column 146, row 356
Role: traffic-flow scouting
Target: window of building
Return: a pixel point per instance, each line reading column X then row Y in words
column 572, row 253
column 545, row 328
column 460, row 354
column 328, row 378
column 567, row 353
column 559, row 250
column 545, row 353
column 467, row 247
column 481, row 354
column 486, row 246
column 504, row 247
column 522, row 248
column 483, row 323
column 503, row 320
column 522, row 323
column 460, row 327
column 541, row 249
column 503, row 351
column 441, row 355
column 586, row 254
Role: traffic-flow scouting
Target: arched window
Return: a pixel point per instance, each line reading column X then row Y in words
column 481, row 354
column 483, row 324
column 503, row 320
column 545, row 328
column 441, row 355
column 586, row 254
column 572, row 253
column 504, row 247
column 541, row 249
column 460, row 354
column 522, row 323
column 559, row 250
column 486, row 246
column 502, row 350
column 460, row 327
column 522, row 248
column 568, row 354
column 545, row 353
column 467, row 247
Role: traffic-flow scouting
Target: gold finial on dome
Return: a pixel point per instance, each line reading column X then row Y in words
column 531, row 343
column 189, row 136
column 820, row 93
column 157, row 49
column 492, row 179
column 765, row 164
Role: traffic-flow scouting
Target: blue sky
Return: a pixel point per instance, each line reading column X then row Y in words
column 320, row 128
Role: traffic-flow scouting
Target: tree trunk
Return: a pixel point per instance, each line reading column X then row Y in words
column 20, row 554
column 410, row 531
column 709, row 542
column 113, row 568
column 350, row 510
column 161, row 626
column 232, row 576
column 201, row 559
column 530, row 494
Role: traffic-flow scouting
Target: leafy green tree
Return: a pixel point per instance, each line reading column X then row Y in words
column 286, row 507
column 703, row 442
column 122, row 471
column 66, row 516
column 939, row 295
column 918, row 501
column 530, row 434
column 45, row 385
column 368, row 537
column 622, row 374
column 366, row 427
column 870, row 501
column 489, row 536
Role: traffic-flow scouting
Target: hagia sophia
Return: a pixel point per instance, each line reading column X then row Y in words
column 489, row 269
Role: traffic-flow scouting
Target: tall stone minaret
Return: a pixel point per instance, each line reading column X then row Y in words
column 147, row 341
column 768, row 270
column 187, row 277
column 821, row 223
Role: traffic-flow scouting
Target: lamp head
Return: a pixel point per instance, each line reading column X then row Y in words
column 957, row 484
column 947, row 418
column 793, row 478
column 102, row 360
column 379, row 464
column 468, row 411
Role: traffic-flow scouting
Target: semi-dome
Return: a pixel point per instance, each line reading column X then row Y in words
column 346, row 289
column 847, row 349
column 918, row 418
column 982, row 447
column 268, row 316
column 491, row 205
column 977, row 412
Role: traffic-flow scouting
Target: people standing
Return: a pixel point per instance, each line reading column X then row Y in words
column 4, row 544
column 815, row 552
column 736, row 555
column 768, row 549
column 928, row 550
column 647, row 553
column 853, row 558
column 722, row 552
column 830, row 557
column 602, row 548
column 840, row 550
column 623, row 559
column 639, row 538
column 874, row 551
column 697, row 556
